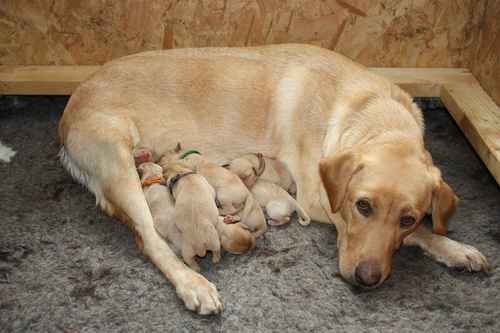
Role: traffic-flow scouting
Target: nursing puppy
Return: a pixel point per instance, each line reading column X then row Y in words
column 161, row 206
column 196, row 216
column 234, row 236
column 251, row 167
column 233, row 198
column 277, row 203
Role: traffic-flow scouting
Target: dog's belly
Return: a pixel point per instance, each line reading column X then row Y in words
column 223, row 132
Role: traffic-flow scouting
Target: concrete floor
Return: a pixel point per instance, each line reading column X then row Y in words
column 66, row 267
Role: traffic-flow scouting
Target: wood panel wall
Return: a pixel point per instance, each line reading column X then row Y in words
column 485, row 62
column 384, row 33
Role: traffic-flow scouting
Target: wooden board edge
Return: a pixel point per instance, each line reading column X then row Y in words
column 472, row 108
column 62, row 80
column 478, row 117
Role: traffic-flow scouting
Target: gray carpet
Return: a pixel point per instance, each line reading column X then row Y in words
column 66, row 267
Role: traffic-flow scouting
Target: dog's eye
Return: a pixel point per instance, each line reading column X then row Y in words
column 407, row 221
column 364, row 207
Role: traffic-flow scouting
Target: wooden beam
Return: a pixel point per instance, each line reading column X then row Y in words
column 478, row 117
column 474, row 111
column 62, row 80
column 424, row 82
column 42, row 80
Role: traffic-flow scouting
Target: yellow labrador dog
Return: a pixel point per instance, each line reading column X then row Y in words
column 351, row 139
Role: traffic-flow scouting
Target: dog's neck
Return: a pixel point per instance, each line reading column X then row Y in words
column 363, row 127
column 174, row 175
column 174, row 180
column 149, row 179
column 193, row 160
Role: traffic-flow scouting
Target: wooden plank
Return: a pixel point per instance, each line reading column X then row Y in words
column 474, row 111
column 478, row 117
column 424, row 82
column 62, row 80
column 42, row 80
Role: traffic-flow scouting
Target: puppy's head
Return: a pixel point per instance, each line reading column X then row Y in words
column 248, row 167
column 236, row 238
column 142, row 155
column 149, row 170
column 382, row 193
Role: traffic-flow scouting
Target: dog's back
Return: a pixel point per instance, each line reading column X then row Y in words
column 230, row 190
column 196, row 216
column 162, row 210
column 277, row 172
column 278, row 203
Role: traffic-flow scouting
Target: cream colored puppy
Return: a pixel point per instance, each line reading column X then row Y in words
column 251, row 167
column 196, row 216
column 161, row 205
column 233, row 197
column 277, row 203
column 234, row 237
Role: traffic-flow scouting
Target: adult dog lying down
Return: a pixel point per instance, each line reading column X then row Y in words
column 352, row 140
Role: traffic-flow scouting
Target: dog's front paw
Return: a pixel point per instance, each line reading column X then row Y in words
column 200, row 295
column 463, row 256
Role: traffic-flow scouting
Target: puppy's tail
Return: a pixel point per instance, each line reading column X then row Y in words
column 304, row 218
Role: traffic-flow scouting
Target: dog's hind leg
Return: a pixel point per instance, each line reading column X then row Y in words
column 102, row 160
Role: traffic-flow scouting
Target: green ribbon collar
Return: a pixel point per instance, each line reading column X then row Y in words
column 189, row 152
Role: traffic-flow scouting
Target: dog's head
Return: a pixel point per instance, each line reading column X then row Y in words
column 149, row 170
column 236, row 238
column 382, row 193
column 143, row 155
column 248, row 167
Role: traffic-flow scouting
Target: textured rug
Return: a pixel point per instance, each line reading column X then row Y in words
column 66, row 267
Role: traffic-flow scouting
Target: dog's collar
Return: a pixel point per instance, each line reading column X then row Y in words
column 151, row 181
column 189, row 152
column 173, row 181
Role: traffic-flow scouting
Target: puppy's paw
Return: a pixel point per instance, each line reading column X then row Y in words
column 463, row 256
column 230, row 219
column 277, row 222
column 200, row 295
column 193, row 265
column 304, row 221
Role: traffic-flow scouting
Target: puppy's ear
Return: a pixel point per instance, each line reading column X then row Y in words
column 444, row 204
column 178, row 148
column 262, row 165
column 336, row 172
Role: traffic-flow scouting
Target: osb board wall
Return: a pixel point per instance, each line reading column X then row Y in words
column 403, row 33
column 486, row 59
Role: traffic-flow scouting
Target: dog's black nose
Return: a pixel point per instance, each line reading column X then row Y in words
column 368, row 273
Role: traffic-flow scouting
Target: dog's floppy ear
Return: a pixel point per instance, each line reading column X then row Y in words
column 444, row 204
column 336, row 172
column 178, row 148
